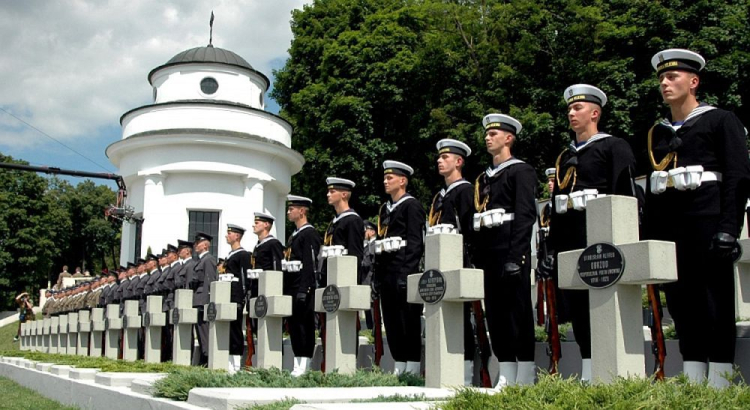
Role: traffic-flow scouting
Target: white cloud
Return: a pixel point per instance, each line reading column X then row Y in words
column 73, row 67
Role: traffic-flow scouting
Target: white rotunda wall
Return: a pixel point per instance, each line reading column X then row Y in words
column 183, row 82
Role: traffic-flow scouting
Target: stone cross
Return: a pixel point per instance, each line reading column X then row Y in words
column 270, row 307
column 54, row 331
column 30, row 335
column 443, row 288
column 97, row 327
column 616, row 310
column 131, row 324
column 62, row 345
column 742, row 278
column 46, row 340
column 153, row 321
column 24, row 337
column 183, row 317
column 113, row 327
column 218, row 313
column 73, row 333
column 341, row 301
column 39, row 336
column 84, row 329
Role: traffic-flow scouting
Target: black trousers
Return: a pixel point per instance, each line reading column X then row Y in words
column 403, row 324
column 469, row 345
column 510, row 316
column 576, row 306
column 201, row 328
column 701, row 302
column 302, row 325
column 236, row 338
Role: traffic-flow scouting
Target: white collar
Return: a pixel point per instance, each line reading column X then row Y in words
column 348, row 212
column 234, row 251
column 152, row 272
column 266, row 239
column 171, row 265
column 492, row 171
column 596, row 137
column 696, row 112
column 143, row 274
column 391, row 206
column 202, row 255
column 300, row 229
column 457, row 183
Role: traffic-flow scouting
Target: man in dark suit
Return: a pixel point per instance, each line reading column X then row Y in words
column 204, row 272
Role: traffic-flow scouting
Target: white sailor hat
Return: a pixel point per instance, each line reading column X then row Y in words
column 261, row 216
column 503, row 122
column 453, row 147
column 295, row 200
column 340, row 183
column 236, row 228
column 677, row 59
column 550, row 172
column 398, row 168
column 585, row 92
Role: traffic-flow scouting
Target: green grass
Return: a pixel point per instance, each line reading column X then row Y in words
column 553, row 392
column 289, row 402
column 16, row 397
column 179, row 382
column 104, row 364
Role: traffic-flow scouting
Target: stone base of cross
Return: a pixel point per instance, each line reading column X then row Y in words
column 153, row 321
column 46, row 340
column 615, row 298
column 443, row 288
column 62, row 335
column 182, row 318
column 131, row 324
column 270, row 307
column 84, row 329
column 39, row 345
column 742, row 277
column 218, row 313
column 73, row 333
column 54, row 335
column 113, row 328
column 341, row 301
column 97, row 327
column 24, row 342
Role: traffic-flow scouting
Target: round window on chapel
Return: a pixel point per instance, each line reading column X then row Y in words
column 209, row 85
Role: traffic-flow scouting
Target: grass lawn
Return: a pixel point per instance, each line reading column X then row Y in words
column 6, row 337
column 16, row 397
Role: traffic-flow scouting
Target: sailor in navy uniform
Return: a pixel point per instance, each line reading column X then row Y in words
column 346, row 229
column 401, row 221
column 204, row 272
column 696, row 195
column 505, row 205
column 237, row 262
column 300, row 259
column 454, row 205
column 594, row 164
column 268, row 252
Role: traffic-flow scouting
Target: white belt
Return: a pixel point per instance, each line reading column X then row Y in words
column 291, row 266
column 441, row 228
column 391, row 244
column 682, row 178
column 576, row 200
column 333, row 250
column 228, row 277
column 492, row 218
column 254, row 273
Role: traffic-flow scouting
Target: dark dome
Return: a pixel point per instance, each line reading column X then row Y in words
column 209, row 54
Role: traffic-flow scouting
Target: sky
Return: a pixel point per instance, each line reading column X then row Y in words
column 71, row 68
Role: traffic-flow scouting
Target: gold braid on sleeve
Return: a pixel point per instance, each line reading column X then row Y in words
column 328, row 237
column 664, row 163
column 480, row 207
column 382, row 231
column 434, row 218
column 571, row 172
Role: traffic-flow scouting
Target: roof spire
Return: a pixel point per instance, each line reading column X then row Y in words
column 211, row 30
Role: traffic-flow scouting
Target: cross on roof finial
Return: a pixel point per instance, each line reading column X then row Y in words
column 211, row 30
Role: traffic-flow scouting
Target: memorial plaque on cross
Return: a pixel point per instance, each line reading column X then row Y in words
column 97, row 327
column 46, row 340
column 742, row 277
column 54, row 335
column 219, row 312
column 131, row 324
column 113, row 327
column 341, row 301
column 615, row 309
column 153, row 321
column 62, row 344
column 443, row 288
column 270, row 307
column 84, row 330
column 73, row 333
column 183, row 317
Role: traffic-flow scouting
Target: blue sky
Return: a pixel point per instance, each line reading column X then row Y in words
column 71, row 68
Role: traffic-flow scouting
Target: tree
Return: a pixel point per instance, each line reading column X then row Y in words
column 369, row 80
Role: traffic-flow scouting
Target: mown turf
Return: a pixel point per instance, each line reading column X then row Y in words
column 16, row 397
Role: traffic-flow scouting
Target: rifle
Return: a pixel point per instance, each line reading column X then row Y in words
column 658, row 346
column 377, row 331
column 249, row 336
column 554, row 349
column 540, row 283
column 482, row 343
column 322, row 320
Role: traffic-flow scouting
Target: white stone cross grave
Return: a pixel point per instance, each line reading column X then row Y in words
column 615, row 304
column 183, row 317
column 269, row 308
column 62, row 345
column 341, row 301
column 54, row 331
column 46, row 325
column 84, row 329
column 24, row 338
column 218, row 313
column 39, row 346
column 444, row 293
column 113, row 328
column 30, row 335
column 742, row 277
column 131, row 324
column 97, row 327
column 73, row 333
column 153, row 321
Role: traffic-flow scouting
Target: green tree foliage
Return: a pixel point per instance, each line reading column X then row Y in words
column 370, row 80
column 46, row 223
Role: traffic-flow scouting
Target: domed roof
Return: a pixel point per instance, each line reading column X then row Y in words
column 208, row 54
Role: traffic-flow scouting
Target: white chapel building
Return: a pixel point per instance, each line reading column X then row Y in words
column 204, row 154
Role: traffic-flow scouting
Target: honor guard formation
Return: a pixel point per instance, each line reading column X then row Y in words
column 696, row 190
